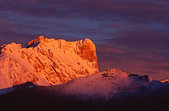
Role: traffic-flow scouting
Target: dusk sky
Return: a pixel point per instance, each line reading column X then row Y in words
column 131, row 35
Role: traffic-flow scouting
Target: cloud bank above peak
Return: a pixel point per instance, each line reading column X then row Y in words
column 126, row 32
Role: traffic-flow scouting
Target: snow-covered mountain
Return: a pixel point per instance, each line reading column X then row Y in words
column 105, row 85
column 109, row 84
column 46, row 62
column 56, row 74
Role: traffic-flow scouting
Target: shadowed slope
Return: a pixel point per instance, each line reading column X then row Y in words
column 112, row 90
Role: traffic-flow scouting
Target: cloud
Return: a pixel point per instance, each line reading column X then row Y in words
column 142, row 52
column 144, row 61
column 130, row 35
column 151, row 40
column 130, row 10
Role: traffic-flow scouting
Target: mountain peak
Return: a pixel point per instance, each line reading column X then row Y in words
column 36, row 40
column 47, row 61
column 84, row 48
column 9, row 47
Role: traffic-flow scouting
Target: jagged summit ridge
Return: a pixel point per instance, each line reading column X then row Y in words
column 47, row 61
column 84, row 48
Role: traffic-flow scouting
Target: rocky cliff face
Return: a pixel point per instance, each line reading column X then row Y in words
column 46, row 61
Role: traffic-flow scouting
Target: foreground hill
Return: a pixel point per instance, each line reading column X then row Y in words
column 111, row 90
column 46, row 62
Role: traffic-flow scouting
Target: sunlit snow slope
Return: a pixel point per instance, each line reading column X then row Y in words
column 46, row 62
column 110, row 84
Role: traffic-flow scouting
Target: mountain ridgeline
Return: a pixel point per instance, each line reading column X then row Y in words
column 46, row 62
column 59, row 75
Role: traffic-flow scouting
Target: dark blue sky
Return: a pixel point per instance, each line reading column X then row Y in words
column 132, row 35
